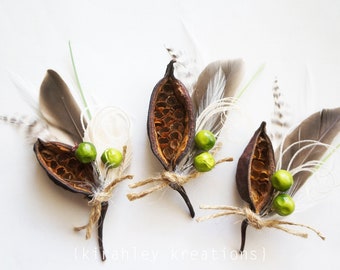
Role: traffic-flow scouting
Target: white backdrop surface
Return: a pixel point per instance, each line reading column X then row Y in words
column 119, row 48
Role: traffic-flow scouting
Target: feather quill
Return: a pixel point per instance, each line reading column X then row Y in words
column 58, row 106
column 302, row 149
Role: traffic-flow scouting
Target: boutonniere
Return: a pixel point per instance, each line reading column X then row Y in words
column 184, row 123
column 98, row 156
column 267, row 180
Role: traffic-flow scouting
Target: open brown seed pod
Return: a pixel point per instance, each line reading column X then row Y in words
column 254, row 170
column 64, row 169
column 171, row 124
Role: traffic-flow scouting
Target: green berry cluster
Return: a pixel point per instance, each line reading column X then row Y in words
column 283, row 204
column 86, row 152
column 204, row 161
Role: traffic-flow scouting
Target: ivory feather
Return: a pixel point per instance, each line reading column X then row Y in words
column 220, row 79
column 58, row 106
column 212, row 98
column 110, row 127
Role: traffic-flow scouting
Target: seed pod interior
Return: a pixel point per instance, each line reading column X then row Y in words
column 171, row 124
column 61, row 165
column 254, row 170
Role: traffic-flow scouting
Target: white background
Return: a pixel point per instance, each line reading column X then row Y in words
column 120, row 53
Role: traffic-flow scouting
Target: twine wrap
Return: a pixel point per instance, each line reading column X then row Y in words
column 99, row 197
column 166, row 178
column 259, row 222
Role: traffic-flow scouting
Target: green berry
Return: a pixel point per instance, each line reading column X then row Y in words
column 204, row 162
column 283, row 204
column 112, row 157
column 205, row 140
column 86, row 152
column 282, row 180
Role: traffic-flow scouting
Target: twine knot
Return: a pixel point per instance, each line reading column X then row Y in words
column 253, row 219
column 100, row 197
column 96, row 205
column 259, row 222
column 172, row 177
column 166, row 178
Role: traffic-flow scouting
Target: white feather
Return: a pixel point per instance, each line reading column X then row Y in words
column 309, row 143
column 109, row 128
column 219, row 107
column 26, row 90
column 321, row 184
column 187, row 67
column 214, row 90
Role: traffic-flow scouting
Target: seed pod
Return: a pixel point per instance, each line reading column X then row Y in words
column 62, row 166
column 171, row 123
column 254, row 170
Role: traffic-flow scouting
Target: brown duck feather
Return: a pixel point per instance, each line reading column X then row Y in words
column 58, row 106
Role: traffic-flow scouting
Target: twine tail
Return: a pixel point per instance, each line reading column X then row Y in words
column 145, row 182
column 94, row 217
column 226, row 211
column 172, row 179
column 134, row 196
column 216, row 215
column 294, row 232
column 256, row 221
column 227, row 159
column 99, row 205
column 112, row 185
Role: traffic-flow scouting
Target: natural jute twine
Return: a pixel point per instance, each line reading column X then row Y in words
column 257, row 221
column 166, row 178
column 102, row 196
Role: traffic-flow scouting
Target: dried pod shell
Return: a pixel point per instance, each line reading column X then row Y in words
column 61, row 165
column 171, row 123
column 254, row 170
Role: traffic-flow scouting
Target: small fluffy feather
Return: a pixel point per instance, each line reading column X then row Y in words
column 280, row 121
column 34, row 128
column 187, row 68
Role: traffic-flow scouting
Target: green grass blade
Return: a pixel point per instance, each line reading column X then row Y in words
column 257, row 73
column 78, row 82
